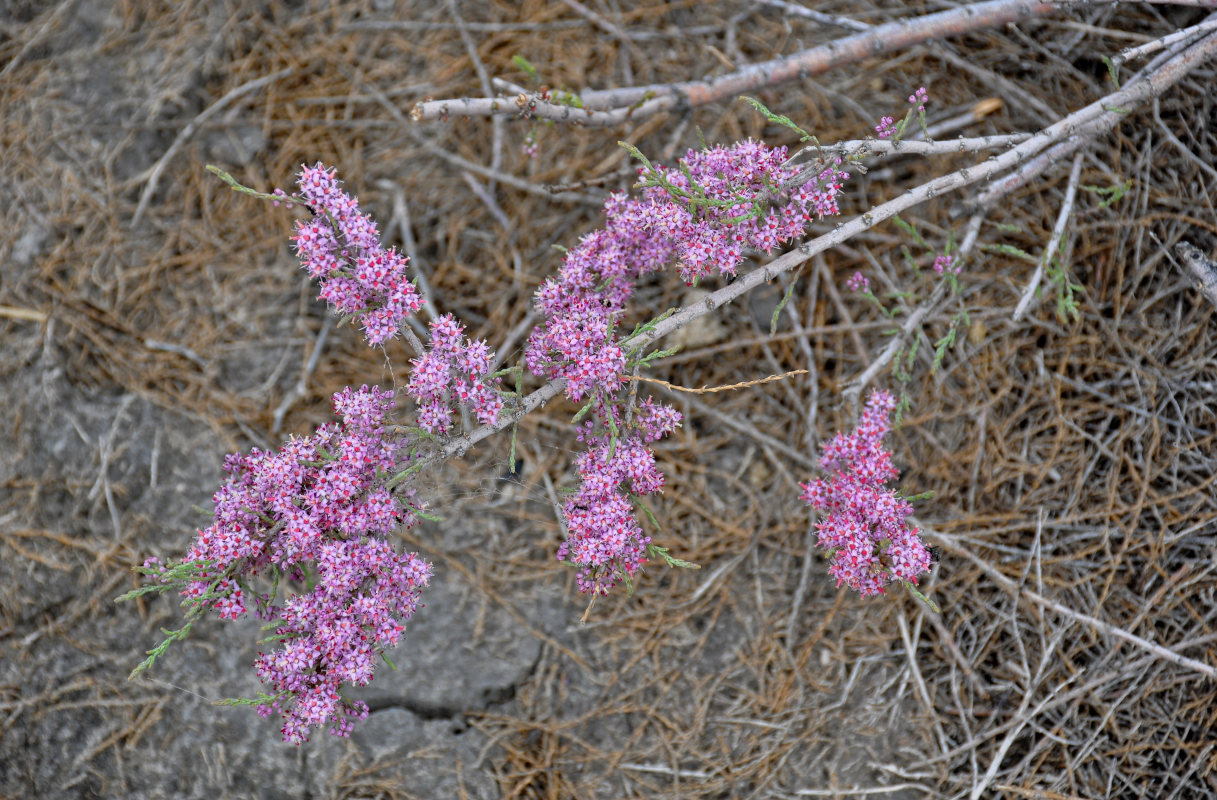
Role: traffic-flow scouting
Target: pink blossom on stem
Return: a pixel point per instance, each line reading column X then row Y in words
column 864, row 524
column 453, row 371
column 700, row 215
column 858, row 282
column 604, row 538
column 317, row 504
column 340, row 247
column 885, row 128
column 919, row 98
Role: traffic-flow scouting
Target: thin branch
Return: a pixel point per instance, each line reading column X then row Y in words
column 615, row 106
column 1058, row 235
column 301, row 386
column 466, row 164
column 945, row 147
column 477, row 27
column 1110, row 630
column 1087, row 128
column 496, row 157
column 710, row 389
column 1209, row 24
column 817, row 16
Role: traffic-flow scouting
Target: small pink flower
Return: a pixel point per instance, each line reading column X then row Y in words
column 858, row 283
column 919, row 98
column 943, row 264
column 885, row 128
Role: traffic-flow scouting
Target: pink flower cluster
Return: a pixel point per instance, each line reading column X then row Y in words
column 946, row 264
column 720, row 209
column 714, row 214
column 865, row 524
column 701, row 214
column 604, row 538
column 582, row 302
column 453, row 369
column 857, row 283
column 317, row 504
column 885, row 128
column 340, row 247
column 919, row 98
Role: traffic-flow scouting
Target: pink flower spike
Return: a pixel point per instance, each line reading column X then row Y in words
column 340, row 248
column 453, row 372
column 863, row 524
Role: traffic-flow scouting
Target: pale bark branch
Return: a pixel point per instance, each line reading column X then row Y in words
column 611, row 107
column 1135, row 93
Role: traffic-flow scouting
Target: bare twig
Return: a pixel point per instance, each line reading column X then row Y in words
column 496, row 150
column 1058, row 235
column 301, row 386
column 817, row 16
column 476, row 27
column 1098, row 121
column 875, row 147
column 1209, row 24
column 612, row 107
column 1097, row 624
column 483, row 193
column 1133, row 94
column 28, row 314
column 708, row 390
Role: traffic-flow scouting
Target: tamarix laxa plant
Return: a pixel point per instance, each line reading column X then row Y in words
column 303, row 534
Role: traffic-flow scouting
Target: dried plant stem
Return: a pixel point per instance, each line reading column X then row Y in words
column 1164, row 42
column 1010, row 585
column 819, row 16
column 944, row 147
column 1058, row 235
column 615, row 106
column 301, row 386
column 496, row 159
column 707, row 390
